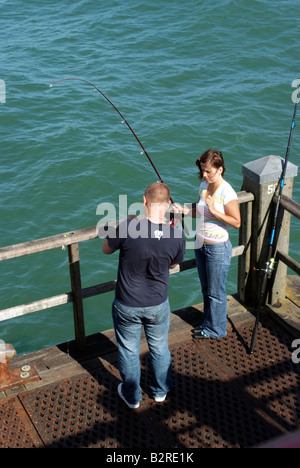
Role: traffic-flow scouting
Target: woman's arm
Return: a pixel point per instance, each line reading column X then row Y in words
column 188, row 209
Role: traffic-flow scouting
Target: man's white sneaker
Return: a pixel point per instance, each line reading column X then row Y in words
column 159, row 399
column 137, row 405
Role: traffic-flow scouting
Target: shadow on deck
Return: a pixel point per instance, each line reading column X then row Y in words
column 222, row 396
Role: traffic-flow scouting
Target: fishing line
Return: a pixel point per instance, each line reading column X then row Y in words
column 270, row 261
column 132, row 131
column 122, row 117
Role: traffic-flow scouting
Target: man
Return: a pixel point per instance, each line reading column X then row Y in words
column 148, row 248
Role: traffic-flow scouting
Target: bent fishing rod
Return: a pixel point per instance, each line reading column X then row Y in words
column 132, row 131
column 270, row 261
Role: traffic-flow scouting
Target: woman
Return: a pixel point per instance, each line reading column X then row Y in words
column 216, row 209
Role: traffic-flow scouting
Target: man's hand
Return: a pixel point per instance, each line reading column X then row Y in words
column 106, row 249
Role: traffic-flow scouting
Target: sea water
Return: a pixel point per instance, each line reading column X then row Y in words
column 185, row 75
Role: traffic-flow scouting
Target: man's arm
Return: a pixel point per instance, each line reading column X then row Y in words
column 106, row 249
column 180, row 256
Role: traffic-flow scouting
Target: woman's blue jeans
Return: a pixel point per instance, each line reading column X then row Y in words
column 128, row 323
column 213, row 261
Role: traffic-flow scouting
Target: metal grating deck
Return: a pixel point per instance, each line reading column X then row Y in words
column 16, row 430
column 222, row 397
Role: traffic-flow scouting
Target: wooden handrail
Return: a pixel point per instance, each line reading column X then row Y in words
column 47, row 243
column 90, row 291
column 289, row 205
column 71, row 240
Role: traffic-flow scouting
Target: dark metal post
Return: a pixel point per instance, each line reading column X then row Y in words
column 74, row 266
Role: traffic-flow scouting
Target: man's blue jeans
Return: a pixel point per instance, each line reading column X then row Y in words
column 128, row 323
column 213, row 261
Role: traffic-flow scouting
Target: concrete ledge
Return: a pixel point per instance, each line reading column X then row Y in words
column 287, row 312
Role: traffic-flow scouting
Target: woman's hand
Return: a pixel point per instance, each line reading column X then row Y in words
column 210, row 203
column 188, row 209
column 231, row 216
column 179, row 209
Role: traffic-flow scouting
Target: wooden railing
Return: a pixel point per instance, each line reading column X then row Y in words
column 72, row 239
column 294, row 208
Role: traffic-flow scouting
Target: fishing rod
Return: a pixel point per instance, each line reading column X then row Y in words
column 122, row 117
column 270, row 261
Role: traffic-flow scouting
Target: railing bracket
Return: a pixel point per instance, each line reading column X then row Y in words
column 15, row 377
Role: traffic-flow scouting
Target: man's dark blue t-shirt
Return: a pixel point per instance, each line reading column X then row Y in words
column 146, row 252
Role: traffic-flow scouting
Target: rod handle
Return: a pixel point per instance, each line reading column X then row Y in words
column 253, row 341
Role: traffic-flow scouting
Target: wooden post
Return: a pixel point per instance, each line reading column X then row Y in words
column 77, row 295
column 261, row 178
column 244, row 239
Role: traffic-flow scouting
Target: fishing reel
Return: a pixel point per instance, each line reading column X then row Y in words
column 172, row 221
column 270, row 266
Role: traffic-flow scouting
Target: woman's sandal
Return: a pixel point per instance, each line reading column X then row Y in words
column 199, row 334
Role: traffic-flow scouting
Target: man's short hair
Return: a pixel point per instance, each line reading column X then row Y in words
column 157, row 193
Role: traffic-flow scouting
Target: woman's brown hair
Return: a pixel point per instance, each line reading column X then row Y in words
column 212, row 157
